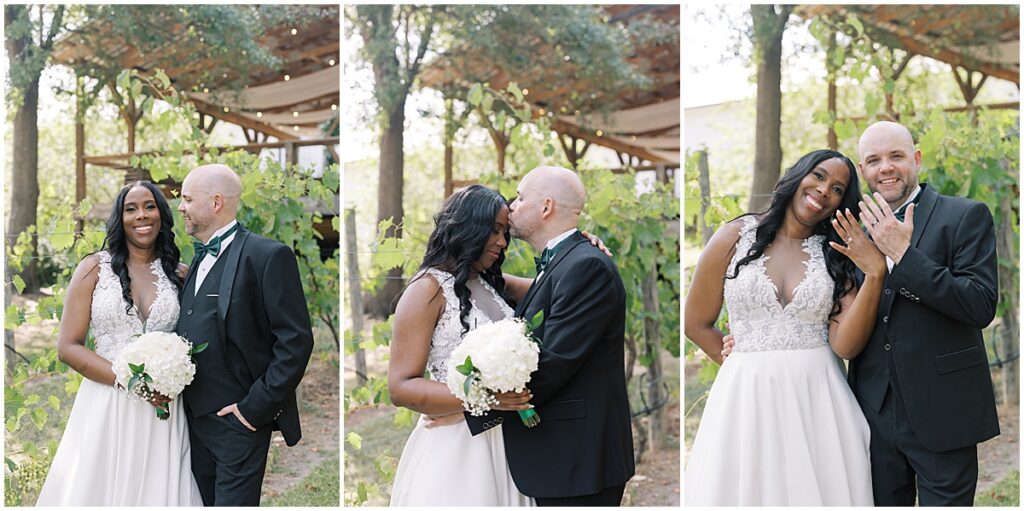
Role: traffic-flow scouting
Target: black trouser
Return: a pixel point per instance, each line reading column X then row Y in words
column 898, row 457
column 228, row 459
column 608, row 497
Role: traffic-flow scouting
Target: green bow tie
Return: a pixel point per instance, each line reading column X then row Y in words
column 544, row 259
column 212, row 247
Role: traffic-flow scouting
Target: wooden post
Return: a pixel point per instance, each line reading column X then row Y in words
column 355, row 292
column 652, row 348
column 449, row 136
column 1008, row 343
column 79, row 152
column 705, row 195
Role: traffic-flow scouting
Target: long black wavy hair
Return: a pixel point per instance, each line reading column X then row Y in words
column 840, row 267
column 115, row 243
column 461, row 230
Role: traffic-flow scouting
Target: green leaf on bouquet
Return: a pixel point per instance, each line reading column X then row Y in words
column 137, row 369
column 355, row 440
column 147, row 378
column 198, row 348
column 466, row 368
column 132, row 382
column 535, row 321
column 468, row 384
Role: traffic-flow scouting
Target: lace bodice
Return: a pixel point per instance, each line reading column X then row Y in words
column 758, row 320
column 448, row 332
column 111, row 327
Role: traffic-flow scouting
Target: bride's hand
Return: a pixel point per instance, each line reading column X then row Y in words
column 728, row 343
column 159, row 400
column 513, row 401
column 595, row 241
column 859, row 249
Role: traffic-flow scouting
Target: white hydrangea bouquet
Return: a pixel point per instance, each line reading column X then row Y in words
column 493, row 358
column 156, row 363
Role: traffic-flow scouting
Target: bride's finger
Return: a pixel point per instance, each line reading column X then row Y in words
column 839, row 248
column 851, row 225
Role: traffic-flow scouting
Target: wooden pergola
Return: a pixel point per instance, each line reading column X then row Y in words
column 642, row 127
column 977, row 41
column 291, row 103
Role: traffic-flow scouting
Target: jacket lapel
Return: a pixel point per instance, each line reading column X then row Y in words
column 923, row 212
column 227, row 281
column 576, row 238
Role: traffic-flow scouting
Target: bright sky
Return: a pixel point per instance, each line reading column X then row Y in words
column 711, row 73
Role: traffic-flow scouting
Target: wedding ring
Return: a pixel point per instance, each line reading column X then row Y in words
column 849, row 240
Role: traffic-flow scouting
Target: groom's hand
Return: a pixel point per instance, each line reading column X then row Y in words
column 513, row 401
column 233, row 408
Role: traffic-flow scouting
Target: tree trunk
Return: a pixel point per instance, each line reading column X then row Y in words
column 24, row 180
column 769, row 26
column 389, row 202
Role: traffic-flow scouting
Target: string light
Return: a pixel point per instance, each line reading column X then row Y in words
column 287, row 77
column 259, row 114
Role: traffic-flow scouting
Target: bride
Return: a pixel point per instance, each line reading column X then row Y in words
column 781, row 426
column 459, row 287
column 115, row 451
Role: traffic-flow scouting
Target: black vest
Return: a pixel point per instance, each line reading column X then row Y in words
column 214, row 385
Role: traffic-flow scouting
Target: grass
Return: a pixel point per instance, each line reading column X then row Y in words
column 1005, row 493
column 319, row 489
column 382, row 442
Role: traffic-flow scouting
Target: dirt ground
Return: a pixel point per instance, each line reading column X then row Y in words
column 320, row 426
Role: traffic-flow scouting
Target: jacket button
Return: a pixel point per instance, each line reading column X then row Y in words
column 885, row 319
column 888, row 347
column 888, row 292
column 189, row 312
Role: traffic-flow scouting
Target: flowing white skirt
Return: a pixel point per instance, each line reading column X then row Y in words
column 780, row 428
column 115, row 452
column 446, row 466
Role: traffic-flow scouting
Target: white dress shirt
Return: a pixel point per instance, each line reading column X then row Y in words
column 209, row 260
column 553, row 242
column 888, row 260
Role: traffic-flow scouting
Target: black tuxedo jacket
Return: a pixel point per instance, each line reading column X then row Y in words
column 261, row 311
column 934, row 305
column 584, row 441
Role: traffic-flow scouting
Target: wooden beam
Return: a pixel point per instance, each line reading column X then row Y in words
column 563, row 127
column 121, row 160
column 240, row 120
column 1013, row 105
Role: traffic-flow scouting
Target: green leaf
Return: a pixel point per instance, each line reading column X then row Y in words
column 466, row 369
column 137, row 369
column 354, row 440
column 858, row 27
column 161, row 77
column 535, row 321
column 19, row 284
column 467, row 385
column 198, row 348
column 476, row 94
column 514, row 89
column 39, row 416
column 54, row 402
column 549, row 149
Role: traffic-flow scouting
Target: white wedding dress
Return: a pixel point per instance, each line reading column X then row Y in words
column 445, row 465
column 781, row 426
column 115, row 451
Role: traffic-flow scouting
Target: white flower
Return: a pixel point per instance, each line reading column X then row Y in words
column 503, row 356
column 167, row 361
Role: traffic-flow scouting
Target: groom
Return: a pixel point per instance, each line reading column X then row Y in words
column 581, row 453
column 243, row 296
column 923, row 379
